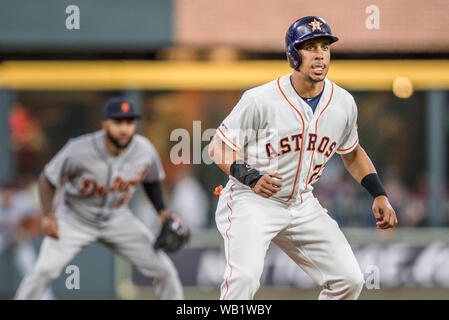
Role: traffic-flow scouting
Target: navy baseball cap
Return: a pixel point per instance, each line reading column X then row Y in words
column 119, row 107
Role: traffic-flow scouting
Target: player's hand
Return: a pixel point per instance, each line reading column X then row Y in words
column 268, row 185
column 384, row 213
column 49, row 226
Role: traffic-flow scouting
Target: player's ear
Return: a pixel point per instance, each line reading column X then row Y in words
column 103, row 125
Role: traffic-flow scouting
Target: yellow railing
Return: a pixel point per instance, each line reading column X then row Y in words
column 156, row 75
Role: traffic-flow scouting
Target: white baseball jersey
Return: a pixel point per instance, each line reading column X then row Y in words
column 275, row 130
column 96, row 184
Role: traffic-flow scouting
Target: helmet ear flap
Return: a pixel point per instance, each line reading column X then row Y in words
column 298, row 59
column 294, row 57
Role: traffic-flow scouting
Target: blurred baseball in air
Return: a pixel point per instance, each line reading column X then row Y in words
column 402, row 87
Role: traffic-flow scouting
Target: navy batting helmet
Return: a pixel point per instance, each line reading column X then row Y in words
column 304, row 29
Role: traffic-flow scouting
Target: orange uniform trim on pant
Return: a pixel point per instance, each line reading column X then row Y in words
column 229, row 245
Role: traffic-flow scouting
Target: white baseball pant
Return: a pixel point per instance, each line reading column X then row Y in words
column 304, row 231
column 124, row 234
column 24, row 258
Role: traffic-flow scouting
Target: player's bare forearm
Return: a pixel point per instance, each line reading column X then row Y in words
column 221, row 154
column 46, row 194
column 358, row 164
column 49, row 224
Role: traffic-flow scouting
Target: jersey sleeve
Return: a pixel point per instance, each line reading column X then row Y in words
column 58, row 168
column 241, row 124
column 351, row 138
column 155, row 170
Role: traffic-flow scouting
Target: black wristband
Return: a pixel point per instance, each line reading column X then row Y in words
column 244, row 173
column 154, row 193
column 372, row 183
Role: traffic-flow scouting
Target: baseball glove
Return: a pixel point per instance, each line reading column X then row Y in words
column 173, row 236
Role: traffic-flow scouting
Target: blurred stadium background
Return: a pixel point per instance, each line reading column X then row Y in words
column 183, row 61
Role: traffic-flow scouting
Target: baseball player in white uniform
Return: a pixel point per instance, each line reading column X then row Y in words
column 97, row 175
column 274, row 145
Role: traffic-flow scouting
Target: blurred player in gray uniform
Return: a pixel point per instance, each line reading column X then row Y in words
column 97, row 175
column 17, row 221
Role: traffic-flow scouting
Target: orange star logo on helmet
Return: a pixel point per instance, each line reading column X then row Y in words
column 316, row 25
column 125, row 107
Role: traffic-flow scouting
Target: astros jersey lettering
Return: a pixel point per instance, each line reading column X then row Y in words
column 276, row 131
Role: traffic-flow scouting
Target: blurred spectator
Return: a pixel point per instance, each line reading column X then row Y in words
column 27, row 139
column 397, row 193
column 189, row 201
column 26, row 133
column 415, row 211
column 19, row 223
column 350, row 205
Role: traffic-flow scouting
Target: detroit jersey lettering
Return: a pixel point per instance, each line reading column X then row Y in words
column 275, row 130
column 97, row 184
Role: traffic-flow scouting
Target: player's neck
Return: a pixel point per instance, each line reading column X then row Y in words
column 304, row 87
